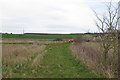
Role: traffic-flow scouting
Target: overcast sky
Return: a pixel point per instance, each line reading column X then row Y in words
column 49, row 16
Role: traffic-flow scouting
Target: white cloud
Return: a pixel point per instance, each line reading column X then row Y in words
column 39, row 15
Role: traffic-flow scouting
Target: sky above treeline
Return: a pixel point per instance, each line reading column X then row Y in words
column 50, row 16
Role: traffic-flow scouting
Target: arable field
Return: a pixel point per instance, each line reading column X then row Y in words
column 41, row 58
column 29, row 41
column 42, row 36
column 47, row 36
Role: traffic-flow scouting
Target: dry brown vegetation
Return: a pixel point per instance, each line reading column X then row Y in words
column 19, row 52
column 36, row 41
column 92, row 55
column 19, row 55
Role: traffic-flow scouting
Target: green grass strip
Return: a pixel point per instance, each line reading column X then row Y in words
column 60, row 63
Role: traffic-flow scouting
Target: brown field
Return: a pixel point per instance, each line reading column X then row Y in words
column 17, row 55
column 38, row 41
column 19, row 52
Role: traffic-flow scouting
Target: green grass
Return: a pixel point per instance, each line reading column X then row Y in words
column 58, row 62
column 47, row 36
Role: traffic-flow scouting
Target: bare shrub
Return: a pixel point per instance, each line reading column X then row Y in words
column 80, row 39
column 92, row 55
column 58, row 39
column 107, row 25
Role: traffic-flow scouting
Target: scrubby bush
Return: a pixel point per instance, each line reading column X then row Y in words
column 93, row 56
column 58, row 39
column 80, row 39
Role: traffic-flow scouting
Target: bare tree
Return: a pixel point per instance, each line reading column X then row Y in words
column 107, row 25
column 108, row 28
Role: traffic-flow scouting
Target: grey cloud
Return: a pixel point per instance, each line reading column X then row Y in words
column 45, row 15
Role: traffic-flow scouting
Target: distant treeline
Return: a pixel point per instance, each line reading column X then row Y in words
column 51, row 33
column 62, row 34
column 5, row 33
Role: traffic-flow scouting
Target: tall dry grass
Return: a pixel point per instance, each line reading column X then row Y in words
column 35, row 41
column 20, row 56
column 92, row 55
column 19, row 52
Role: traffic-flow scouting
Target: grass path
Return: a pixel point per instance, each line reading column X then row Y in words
column 59, row 63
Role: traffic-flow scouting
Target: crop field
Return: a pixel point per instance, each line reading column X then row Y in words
column 31, row 36
column 41, row 58
column 42, row 36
